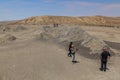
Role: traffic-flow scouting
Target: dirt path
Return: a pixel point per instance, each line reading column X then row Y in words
column 36, row 60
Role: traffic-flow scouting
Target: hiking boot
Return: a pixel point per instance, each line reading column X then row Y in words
column 101, row 69
column 104, row 70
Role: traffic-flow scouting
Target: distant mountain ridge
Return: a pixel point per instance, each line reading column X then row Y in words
column 85, row 20
column 7, row 22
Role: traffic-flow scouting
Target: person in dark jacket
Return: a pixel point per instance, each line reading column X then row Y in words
column 104, row 57
column 70, row 49
column 73, row 51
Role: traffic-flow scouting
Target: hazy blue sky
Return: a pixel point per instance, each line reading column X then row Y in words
column 20, row 9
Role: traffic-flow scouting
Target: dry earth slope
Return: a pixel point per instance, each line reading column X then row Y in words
column 87, row 20
column 24, row 56
column 36, row 60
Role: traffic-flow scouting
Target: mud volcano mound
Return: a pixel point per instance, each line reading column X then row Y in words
column 7, row 38
column 88, row 46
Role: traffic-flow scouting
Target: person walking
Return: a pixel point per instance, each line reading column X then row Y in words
column 70, row 49
column 104, row 58
column 73, row 51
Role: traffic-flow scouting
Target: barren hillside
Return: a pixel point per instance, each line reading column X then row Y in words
column 39, row 52
column 101, row 20
column 88, row 20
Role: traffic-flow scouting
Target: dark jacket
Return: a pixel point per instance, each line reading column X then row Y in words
column 105, row 55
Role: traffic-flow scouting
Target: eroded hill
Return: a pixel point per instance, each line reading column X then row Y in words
column 87, row 20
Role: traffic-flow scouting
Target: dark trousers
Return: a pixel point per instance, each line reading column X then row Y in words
column 103, row 65
column 73, row 55
column 70, row 53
